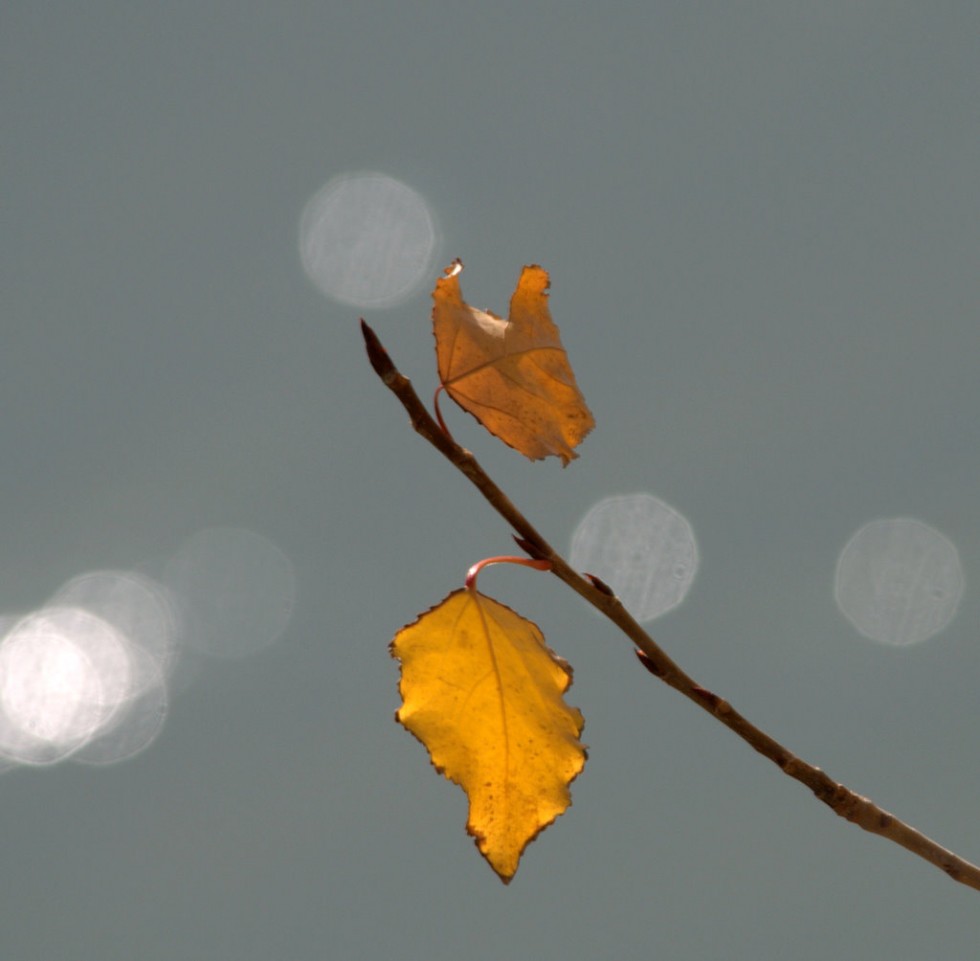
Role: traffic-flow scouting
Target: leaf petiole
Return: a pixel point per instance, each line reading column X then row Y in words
column 435, row 405
column 842, row 801
column 471, row 574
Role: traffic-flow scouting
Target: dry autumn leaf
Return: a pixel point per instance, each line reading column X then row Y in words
column 483, row 693
column 512, row 375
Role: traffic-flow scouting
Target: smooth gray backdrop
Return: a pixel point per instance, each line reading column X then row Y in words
column 762, row 222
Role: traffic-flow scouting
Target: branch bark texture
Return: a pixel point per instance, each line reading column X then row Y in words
column 841, row 800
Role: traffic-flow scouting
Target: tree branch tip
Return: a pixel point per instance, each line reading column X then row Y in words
column 377, row 355
column 859, row 810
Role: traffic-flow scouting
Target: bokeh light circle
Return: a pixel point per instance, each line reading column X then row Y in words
column 63, row 675
column 138, row 721
column 89, row 675
column 367, row 240
column 235, row 590
column 140, row 608
column 898, row 581
column 642, row 548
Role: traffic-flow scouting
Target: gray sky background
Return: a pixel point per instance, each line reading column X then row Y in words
column 762, row 224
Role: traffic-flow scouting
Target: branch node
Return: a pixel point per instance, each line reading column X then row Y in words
column 842, row 801
column 649, row 663
column 717, row 705
column 532, row 550
column 600, row 585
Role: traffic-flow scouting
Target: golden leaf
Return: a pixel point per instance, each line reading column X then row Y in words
column 512, row 375
column 483, row 693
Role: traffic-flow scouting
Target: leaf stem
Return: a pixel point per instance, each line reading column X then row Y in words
column 841, row 800
column 473, row 572
column 435, row 407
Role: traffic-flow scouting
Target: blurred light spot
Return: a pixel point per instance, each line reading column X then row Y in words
column 7, row 762
column 367, row 240
column 138, row 721
column 642, row 548
column 142, row 611
column 898, row 581
column 235, row 589
column 88, row 676
column 138, row 607
column 63, row 674
column 84, row 676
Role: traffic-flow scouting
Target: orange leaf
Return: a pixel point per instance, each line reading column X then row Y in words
column 512, row 375
column 483, row 693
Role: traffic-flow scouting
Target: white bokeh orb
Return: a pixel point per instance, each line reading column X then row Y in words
column 898, row 581
column 234, row 590
column 642, row 548
column 367, row 240
column 63, row 675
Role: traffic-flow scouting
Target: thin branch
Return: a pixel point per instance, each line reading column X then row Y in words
column 860, row 810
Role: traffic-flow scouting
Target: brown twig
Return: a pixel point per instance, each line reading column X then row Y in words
column 860, row 810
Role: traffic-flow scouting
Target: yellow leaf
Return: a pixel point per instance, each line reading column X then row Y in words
column 483, row 693
column 512, row 375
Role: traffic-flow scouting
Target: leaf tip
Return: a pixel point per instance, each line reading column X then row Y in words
column 513, row 374
column 535, row 277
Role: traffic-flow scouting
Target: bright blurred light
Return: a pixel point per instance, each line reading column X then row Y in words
column 63, row 675
column 87, row 676
column 642, row 548
column 367, row 240
column 140, row 608
column 138, row 721
column 235, row 589
column 898, row 581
